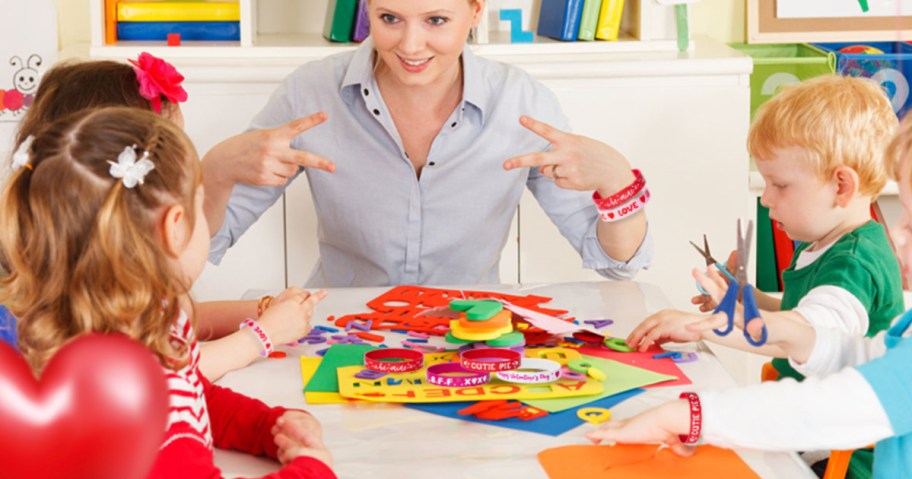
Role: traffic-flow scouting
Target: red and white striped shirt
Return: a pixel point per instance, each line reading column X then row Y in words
column 202, row 415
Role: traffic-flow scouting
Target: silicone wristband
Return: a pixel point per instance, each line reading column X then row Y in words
column 490, row 359
column 260, row 335
column 622, row 196
column 438, row 374
column 627, row 209
column 696, row 419
column 532, row 371
column 411, row 360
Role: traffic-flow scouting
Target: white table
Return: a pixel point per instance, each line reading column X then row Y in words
column 389, row 441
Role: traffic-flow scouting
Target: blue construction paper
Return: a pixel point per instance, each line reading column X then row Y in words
column 554, row 424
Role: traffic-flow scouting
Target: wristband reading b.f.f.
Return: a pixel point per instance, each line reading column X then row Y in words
column 442, row 375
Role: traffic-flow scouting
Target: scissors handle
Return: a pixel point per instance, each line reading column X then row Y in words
column 751, row 313
column 724, row 271
column 727, row 306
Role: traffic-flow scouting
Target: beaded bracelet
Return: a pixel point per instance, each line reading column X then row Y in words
column 696, row 419
column 260, row 335
column 627, row 209
column 263, row 305
column 622, row 196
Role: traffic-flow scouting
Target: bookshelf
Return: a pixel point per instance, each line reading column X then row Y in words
column 292, row 29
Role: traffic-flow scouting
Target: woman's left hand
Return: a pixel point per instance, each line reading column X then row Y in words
column 575, row 162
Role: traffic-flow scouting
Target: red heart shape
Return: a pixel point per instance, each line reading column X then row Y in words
column 99, row 411
column 643, row 199
column 610, row 215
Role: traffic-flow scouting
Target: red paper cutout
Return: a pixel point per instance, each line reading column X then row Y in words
column 398, row 309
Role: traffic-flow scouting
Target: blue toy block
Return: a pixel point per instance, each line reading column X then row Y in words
column 514, row 16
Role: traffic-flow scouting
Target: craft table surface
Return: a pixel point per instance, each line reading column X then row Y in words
column 388, row 441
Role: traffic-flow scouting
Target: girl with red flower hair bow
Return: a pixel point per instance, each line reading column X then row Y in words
column 154, row 84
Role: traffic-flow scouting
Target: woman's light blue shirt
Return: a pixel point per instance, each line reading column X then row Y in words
column 378, row 223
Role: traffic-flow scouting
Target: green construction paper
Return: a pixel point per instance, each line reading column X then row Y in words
column 620, row 377
column 325, row 378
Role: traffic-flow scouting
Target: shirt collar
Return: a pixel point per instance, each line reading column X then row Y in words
column 361, row 70
column 895, row 333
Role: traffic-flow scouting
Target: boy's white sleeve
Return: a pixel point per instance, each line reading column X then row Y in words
column 840, row 411
column 835, row 349
column 834, row 307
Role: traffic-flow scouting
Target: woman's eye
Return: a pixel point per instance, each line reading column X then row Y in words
column 387, row 18
column 437, row 20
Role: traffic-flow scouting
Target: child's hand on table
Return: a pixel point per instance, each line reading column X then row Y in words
column 297, row 433
column 659, row 425
column 288, row 317
column 664, row 326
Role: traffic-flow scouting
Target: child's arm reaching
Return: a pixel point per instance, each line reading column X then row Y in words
column 217, row 319
column 286, row 321
column 839, row 412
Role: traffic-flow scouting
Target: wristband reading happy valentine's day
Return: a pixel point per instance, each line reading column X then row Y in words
column 696, row 419
column 490, row 359
column 622, row 196
column 532, row 371
column 441, row 375
column 393, row 360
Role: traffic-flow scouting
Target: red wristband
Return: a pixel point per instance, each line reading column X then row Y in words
column 407, row 360
column 490, row 359
column 622, row 196
column 696, row 419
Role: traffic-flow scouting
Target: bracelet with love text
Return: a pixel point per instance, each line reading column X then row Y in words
column 627, row 209
column 260, row 335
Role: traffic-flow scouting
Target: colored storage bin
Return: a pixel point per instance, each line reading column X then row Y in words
column 892, row 69
column 777, row 65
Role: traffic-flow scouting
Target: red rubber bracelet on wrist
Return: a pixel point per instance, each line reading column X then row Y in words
column 490, row 359
column 406, row 360
column 696, row 419
column 622, row 196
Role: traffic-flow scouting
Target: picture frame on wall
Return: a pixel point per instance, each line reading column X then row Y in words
column 827, row 21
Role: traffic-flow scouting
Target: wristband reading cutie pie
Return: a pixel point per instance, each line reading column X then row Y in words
column 441, row 375
column 393, row 360
column 490, row 359
column 696, row 419
column 260, row 335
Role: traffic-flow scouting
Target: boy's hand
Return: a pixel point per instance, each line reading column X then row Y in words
column 714, row 282
column 660, row 425
column 288, row 317
column 666, row 325
column 299, row 434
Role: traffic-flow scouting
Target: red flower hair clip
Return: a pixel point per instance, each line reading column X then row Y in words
column 158, row 78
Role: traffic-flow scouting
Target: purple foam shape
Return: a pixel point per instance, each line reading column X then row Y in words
column 599, row 323
column 368, row 374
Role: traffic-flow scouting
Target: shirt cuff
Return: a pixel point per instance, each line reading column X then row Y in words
column 595, row 258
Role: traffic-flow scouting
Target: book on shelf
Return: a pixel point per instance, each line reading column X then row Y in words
column 589, row 19
column 178, row 11
column 560, row 19
column 209, row 31
column 609, row 21
column 110, row 21
column 361, row 28
column 340, row 17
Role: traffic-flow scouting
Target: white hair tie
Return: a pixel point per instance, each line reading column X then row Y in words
column 21, row 156
column 132, row 172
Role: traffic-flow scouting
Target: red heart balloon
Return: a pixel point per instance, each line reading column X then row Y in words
column 99, row 411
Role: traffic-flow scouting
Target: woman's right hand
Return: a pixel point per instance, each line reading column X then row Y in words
column 288, row 317
column 264, row 157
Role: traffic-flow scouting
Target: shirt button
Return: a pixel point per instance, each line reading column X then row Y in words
column 453, row 125
column 366, row 92
column 431, row 163
column 376, row 112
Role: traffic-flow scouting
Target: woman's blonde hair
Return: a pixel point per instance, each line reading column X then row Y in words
column 836, row 120
column 85, row 253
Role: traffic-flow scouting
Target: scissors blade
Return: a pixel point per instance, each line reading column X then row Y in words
column 744, row 247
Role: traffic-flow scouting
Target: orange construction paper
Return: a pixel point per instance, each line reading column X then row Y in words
column 641, row 461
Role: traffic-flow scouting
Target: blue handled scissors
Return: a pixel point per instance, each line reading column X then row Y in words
column 710, row 261
column 741, row 290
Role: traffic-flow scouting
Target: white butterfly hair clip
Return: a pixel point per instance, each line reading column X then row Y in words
column 21, row 156
column 132, row 172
